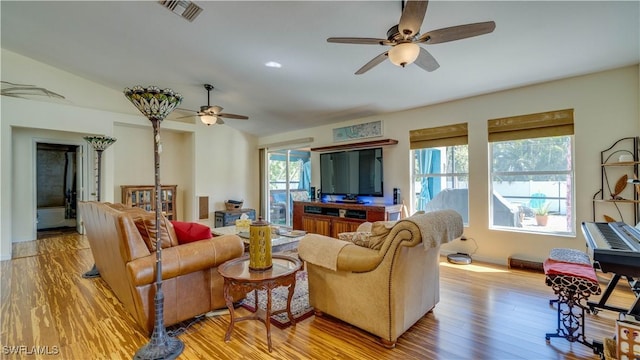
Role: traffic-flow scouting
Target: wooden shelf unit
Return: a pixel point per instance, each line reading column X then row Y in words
column 330, row 219
column 144, row 196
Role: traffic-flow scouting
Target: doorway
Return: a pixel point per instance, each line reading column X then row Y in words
column 289, row 176
column 58, row 183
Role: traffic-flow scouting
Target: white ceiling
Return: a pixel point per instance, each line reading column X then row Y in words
column 124, row 43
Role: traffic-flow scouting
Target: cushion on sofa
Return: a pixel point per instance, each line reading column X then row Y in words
column 360, row 238
column 365, row 226
column 146, row 224
column 372, row 239
column 187, row 232
column 379, row 232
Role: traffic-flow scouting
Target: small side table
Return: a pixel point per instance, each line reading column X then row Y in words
column 238, row 278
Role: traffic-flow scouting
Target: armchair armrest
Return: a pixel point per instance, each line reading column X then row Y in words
column 187, row 258
column 337, row 255
column 356, row 258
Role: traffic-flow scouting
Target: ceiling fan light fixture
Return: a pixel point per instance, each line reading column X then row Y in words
column 208, row 119
column 404, row 54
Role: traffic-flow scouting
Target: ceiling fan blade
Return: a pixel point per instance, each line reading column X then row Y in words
column 232, row 116
column 412, row 18
column 457, row 32
column 426, row 61
column 187, row 111
column 375, row 61
column 357, row 40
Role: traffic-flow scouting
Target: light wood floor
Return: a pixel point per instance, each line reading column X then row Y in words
column 485, row 312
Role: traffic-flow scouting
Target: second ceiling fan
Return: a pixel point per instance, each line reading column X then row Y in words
column 211, row 115
column 405, row 37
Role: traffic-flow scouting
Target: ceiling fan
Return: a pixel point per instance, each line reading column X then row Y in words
column 211, row 115
column 405, row 37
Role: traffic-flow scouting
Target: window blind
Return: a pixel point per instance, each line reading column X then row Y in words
column 544, row 124
column 449, row 135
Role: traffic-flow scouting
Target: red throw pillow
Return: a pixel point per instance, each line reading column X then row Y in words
column 187, row 232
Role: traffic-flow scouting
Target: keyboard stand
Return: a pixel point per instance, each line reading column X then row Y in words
column 634, row 310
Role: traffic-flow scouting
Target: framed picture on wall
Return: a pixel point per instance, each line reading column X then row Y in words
column 359, row 131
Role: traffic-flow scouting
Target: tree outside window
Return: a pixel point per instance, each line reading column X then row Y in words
column 532, row 179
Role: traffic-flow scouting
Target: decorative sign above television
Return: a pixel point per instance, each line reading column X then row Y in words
column 360, row 131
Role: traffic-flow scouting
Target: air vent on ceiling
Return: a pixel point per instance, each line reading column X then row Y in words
column 186, row 9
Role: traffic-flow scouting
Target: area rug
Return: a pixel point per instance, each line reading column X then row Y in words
column 300, row 307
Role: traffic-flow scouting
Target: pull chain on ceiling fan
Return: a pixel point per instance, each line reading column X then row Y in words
column 405, row 37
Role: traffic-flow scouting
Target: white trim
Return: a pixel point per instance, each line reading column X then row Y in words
column 81, row 193
column 287, row 144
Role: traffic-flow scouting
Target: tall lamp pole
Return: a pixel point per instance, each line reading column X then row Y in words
column 156, row 104
column 99, row 143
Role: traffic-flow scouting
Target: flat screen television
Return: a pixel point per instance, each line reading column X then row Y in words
column 353, row 173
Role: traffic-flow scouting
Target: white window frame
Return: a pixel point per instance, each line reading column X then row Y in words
column 530, row 229
column 454, row 176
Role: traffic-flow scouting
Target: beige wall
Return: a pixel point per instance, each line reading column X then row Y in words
column 138, row 169
column 223, row 162
column 190, row 151
column 606, row 109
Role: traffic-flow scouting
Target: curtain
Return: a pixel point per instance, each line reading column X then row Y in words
column 428, row 163
column 305, row 176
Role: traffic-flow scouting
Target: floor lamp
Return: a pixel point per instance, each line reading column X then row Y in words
column 99, row 144
column 156, row 104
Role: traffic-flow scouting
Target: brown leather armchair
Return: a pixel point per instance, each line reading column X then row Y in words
column 191, row 283
column 384, row 285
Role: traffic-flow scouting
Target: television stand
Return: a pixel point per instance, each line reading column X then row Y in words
column 333, row 218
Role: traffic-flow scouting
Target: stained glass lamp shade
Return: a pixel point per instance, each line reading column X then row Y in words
column 156, row 104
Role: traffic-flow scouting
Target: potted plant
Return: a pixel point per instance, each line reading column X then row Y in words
column 542, row 214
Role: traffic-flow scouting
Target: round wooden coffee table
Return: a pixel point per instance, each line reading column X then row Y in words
column 238, row 278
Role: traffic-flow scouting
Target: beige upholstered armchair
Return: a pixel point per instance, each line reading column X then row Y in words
column 384, row 279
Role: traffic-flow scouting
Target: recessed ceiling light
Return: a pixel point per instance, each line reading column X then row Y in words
column 273, row 64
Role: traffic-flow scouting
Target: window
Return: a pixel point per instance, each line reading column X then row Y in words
column 532, row 172
column 441, row 169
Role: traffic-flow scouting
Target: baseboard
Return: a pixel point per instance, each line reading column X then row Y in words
column 483, row 259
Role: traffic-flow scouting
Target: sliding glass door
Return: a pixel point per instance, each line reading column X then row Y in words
column 289, row 175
